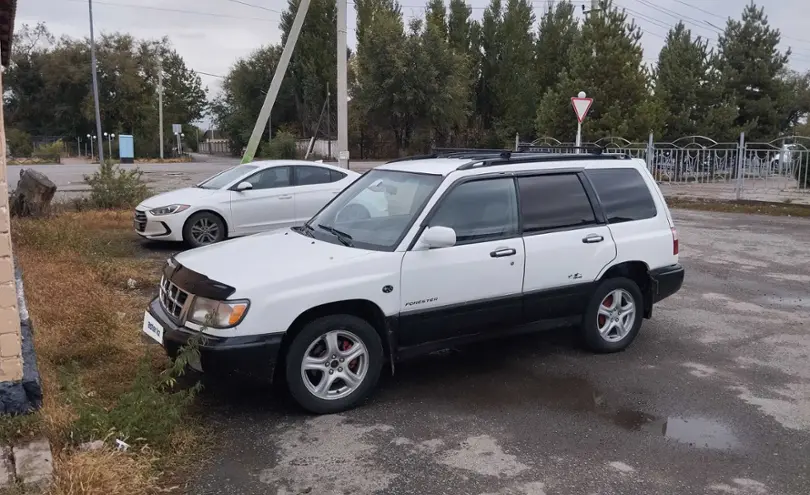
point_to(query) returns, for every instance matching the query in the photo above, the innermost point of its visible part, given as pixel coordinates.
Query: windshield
(375, 211)
(224, 178)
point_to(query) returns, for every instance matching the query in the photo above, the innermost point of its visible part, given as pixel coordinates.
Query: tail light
(674, 241)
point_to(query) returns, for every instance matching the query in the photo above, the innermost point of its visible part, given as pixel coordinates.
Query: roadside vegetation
(87, 282)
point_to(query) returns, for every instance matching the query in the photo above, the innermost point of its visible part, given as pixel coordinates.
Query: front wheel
(333, 363)
(203, 228)
(614, 314)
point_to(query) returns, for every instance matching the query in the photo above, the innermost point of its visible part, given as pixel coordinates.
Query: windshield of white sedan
(375, 211)
(224, 178)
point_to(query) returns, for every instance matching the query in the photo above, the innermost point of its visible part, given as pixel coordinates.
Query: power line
(726, 18)
(209, 74)
(177, 11)
(240, 2)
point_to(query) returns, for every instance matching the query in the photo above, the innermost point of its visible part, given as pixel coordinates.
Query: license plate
(152, 328)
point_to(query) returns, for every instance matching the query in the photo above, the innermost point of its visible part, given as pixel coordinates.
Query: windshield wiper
(343, 237)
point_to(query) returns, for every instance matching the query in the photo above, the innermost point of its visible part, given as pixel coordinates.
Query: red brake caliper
(606, 305)
(353, 364)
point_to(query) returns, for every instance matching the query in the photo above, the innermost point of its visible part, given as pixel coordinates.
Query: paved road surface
(69, 178)
(713, 398)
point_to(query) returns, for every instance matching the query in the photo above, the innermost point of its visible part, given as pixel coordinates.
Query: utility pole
(342, 88)
(278, 76)
(95, 82)
(160, 105)
(328, 122)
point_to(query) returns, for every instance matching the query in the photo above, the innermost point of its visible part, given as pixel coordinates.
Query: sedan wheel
(203, 228)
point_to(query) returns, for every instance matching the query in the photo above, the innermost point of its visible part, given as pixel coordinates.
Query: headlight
(168, 210)
(218, 314)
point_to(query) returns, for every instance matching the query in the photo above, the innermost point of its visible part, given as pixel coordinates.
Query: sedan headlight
(217, 314)
(168, 210)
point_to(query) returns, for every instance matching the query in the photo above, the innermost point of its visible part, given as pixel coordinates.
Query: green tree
(314, 62)
(487, 104)
(516, 87)
(244, 88)
(436, 17)
(557, 33)
(751, 70)
(606, 63)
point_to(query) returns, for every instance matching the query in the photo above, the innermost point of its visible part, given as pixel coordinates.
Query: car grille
(173, 299)
(140, 220)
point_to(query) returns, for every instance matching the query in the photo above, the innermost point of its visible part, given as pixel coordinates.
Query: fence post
(517, 141)
(740, 165)
(650, 154)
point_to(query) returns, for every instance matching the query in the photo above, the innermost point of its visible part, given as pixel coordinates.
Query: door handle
(501, 252)
(289, 196)
(592, 238)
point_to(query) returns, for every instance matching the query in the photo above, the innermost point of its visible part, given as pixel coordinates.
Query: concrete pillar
(10, 339)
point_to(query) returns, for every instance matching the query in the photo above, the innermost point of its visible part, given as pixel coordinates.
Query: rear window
(623, 193)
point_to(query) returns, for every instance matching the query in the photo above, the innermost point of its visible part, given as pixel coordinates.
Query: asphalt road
(161, 177)
(712, 398)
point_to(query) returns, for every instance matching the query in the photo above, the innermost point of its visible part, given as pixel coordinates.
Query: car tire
(203, 228)
(605, 327)
(312, 343)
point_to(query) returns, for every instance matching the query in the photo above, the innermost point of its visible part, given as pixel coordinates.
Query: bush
(282, 147)
(113, 187)
(50, 152)
(19, 143)
(802, 173)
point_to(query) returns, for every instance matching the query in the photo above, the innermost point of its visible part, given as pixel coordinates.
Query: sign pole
(581, 106)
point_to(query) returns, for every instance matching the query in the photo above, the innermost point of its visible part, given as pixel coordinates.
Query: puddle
(500, 384)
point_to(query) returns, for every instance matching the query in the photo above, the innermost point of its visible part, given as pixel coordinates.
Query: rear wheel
(614, 315)
(333, 363)
(203, 228)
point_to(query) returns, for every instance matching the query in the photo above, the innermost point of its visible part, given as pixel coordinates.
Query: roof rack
(527, 157)
(526, 153)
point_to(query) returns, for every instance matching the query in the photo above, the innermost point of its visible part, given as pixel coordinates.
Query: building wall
(11, 368)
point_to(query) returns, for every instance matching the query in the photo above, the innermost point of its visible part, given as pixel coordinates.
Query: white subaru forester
(470, 245)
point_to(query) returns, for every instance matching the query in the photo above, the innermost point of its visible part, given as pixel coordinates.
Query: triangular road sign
(581, 107)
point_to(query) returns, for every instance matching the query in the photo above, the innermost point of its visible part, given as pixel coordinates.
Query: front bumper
(250, 354)
(666, 281)
(165, 227)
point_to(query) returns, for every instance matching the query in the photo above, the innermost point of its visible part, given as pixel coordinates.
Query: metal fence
(698, 166)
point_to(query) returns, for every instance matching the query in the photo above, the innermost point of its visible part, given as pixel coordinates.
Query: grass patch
(101, 381)
(784, 209)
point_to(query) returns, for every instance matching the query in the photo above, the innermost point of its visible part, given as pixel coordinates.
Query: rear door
(314, 187)
(269, 205)
(567, 244)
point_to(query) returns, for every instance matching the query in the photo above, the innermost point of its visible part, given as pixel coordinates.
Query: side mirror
(438, 237)
(244, 186)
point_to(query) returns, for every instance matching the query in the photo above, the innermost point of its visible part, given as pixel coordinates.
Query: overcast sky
(212, 34)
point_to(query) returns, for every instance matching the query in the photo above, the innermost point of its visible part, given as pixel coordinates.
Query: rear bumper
(666, 281)
(250, 354)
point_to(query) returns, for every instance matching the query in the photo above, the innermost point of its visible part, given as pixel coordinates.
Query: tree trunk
(33, 195)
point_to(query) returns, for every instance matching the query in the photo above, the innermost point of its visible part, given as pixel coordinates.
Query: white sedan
(243, 200)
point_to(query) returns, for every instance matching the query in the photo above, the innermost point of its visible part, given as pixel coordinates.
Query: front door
(269, 205)
(474, 286)
(566, 245)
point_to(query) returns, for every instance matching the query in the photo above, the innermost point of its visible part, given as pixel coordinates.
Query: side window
(335, 176)
(549, 202)
(479, 211)
(308, 176)
(623, 193)
(271, 178)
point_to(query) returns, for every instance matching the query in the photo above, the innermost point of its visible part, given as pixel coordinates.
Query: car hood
(185, 196)
(266, 259)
